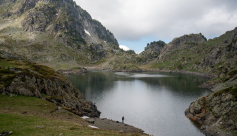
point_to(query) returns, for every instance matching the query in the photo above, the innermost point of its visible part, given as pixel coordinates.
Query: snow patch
(87, 32)
(93, 126)
(85, 117)
(124, 47)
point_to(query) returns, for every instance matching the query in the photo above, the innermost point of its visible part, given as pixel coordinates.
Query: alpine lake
(152, 101)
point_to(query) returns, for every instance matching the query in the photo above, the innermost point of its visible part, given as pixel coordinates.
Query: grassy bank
(33, 116)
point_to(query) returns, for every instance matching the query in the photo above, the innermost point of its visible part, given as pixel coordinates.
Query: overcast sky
(138, 22)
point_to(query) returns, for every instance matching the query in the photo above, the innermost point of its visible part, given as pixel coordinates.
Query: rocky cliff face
(152, 51)
(57, 33)
(183, 42)
(59, 17)
(216, 112)
(221, 59)
(30, 79)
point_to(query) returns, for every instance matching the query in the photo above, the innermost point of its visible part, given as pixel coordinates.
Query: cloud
(132, 20)
(124, 47)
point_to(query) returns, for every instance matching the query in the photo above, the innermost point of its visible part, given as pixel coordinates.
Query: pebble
(203, 127)
(40, 126)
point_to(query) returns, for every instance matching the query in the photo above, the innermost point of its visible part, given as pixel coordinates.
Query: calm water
(154, 102)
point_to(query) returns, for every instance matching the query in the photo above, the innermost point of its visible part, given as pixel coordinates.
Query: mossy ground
(43, 113)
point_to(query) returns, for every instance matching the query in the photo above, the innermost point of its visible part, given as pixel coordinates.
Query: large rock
(152, 51)
(40, 81)
(215, 111)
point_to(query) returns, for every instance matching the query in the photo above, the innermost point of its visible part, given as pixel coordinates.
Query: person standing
(123, 119)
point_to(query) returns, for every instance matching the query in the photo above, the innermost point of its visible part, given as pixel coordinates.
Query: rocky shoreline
(73, 71)
(199, 74)
(108, 124)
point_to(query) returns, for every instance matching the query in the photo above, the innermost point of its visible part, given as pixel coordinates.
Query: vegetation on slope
(33, 116)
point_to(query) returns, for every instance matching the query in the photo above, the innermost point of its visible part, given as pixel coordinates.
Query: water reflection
(154, 102)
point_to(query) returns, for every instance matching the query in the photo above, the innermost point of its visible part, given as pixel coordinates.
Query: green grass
(232, 90)
(42, 113)
(23, 125)
(20, 103)
(218, 40)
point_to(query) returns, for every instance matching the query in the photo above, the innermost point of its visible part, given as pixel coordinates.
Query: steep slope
(151, 52)
(217, 111)
(183, 42)
(57, 33)
(193, 53)
(19, 76)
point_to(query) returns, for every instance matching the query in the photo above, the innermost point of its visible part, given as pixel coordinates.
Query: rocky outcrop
(57, 91)
(73, 71)
(216, 112)
(223, 54)
(155, 46)
(30, 79)
(183, 42)
(97, 51)
(152, 51)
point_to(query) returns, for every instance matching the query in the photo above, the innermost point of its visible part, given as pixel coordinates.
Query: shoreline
(109, 124)
(199, 74)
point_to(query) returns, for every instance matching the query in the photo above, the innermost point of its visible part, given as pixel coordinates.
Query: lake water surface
(154, 102)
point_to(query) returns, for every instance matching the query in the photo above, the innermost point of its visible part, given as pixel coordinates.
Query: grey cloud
(131, 20)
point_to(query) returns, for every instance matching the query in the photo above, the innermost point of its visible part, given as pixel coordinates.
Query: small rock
(121, 131)
(24, 112)
(59, 108)
(92, 121)
(203, 127)
(61, 134)
(40, 126)
(221, 123)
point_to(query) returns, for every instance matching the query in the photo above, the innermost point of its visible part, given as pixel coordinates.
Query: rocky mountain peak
(183, 42)
(155, 46)
(63, 19)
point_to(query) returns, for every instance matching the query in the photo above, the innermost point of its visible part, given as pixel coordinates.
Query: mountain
(57, 33)
(196, 54)
(151, 52)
